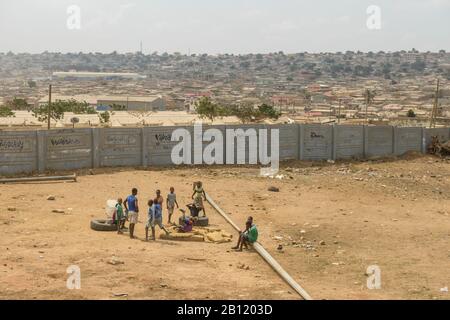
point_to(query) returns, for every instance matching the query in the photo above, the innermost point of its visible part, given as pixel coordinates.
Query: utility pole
(435, 107)
(339, 112)
(49, 106)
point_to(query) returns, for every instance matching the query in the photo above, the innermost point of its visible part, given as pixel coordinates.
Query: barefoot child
(149, 218)
(119, 216)
(171, 202)
(132, 209)
(198, 196)
(249, 236)
(155, 213)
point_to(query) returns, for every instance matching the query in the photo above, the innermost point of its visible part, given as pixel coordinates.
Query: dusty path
(391, 214)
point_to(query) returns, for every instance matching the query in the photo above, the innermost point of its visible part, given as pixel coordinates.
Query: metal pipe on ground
(264, 254)
(40, 179)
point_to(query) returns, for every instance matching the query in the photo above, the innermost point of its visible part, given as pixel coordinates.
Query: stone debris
(51, 198)
(115, 261)
(198, 234)
(243, 266)
(273, 189)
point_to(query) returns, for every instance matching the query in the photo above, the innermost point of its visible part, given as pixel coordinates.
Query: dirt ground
(333, 220)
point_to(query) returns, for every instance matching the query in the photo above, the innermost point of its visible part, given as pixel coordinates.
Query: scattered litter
(445, 289)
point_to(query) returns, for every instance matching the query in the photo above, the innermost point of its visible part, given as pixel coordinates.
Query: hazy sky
(226, 26)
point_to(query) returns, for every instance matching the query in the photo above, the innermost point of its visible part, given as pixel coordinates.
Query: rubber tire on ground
(102, 225)
(198, 221)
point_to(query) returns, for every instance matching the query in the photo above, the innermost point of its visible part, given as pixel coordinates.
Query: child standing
(119, 216)
(132, 209)
(171, 202)
(155, 218)
(149, 218)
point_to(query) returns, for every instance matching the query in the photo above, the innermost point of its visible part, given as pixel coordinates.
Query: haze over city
(200, 26)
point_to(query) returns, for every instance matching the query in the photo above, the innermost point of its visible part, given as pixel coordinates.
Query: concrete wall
(407, 139)
(378, 141)
(159, 144)
(18, 152)
(316, 142)
(67, 149)
(120, 147)
(289, 141)
(30, 151)
(348, 142)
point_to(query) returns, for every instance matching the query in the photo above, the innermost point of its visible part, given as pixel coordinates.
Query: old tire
(201, 221)
(103, 225)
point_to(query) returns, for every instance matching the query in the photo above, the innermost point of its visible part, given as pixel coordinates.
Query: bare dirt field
(332, 220)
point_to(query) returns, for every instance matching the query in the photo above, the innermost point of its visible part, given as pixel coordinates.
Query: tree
(205, 108)
(245, 113)
(411, 114)
(18, 104)
(59, 107)
(56, 111)
(269, 111)
(6, 112)
(104, 117)
(32, 83)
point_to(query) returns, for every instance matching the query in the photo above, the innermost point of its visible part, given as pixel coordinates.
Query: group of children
(154, 215)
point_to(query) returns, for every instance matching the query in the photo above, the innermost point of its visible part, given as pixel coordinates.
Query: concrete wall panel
(120, 147)
(348, 142)
(379, 141)
(316, 142)
(18, 152)
(243, 132)
(407, 139)
(289, 140)
(159, 144)
(68, 149)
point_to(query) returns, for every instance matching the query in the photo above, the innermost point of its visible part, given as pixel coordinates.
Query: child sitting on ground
(187, 225)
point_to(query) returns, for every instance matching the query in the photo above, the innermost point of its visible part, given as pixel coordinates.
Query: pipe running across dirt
(264, 254)
(40, 179)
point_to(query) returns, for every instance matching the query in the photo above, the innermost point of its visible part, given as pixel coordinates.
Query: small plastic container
(110, 207)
